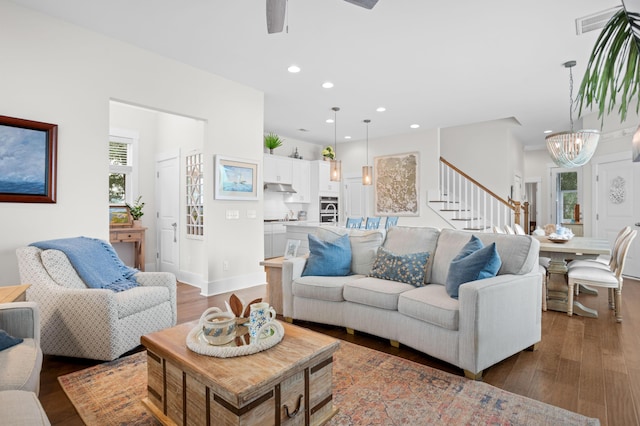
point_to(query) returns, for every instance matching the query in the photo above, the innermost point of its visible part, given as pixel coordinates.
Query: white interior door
(618, 205)
(168, 217)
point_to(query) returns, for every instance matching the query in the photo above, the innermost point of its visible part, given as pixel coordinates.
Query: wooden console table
(14, 293)
(131, 235)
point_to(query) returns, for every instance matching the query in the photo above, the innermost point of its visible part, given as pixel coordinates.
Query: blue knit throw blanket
(95, 261)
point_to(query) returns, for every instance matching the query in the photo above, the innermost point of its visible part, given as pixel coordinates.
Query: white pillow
(60, 269)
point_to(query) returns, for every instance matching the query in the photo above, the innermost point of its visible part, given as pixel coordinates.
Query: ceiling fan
(276, 11)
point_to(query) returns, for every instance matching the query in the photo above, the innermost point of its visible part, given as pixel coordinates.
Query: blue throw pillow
(407, 268)
(6, 340)
(328, 259)
(472, 265)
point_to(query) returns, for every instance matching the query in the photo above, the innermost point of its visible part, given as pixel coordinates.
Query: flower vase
(137, 223)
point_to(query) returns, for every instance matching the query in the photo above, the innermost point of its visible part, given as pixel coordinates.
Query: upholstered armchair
(94, 323)
(20, 365)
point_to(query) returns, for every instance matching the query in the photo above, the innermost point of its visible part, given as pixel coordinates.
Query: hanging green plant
(272, 141)
(613, 68)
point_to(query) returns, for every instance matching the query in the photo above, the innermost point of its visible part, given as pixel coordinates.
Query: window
(122, 178)
(566, 196)
(195, 197)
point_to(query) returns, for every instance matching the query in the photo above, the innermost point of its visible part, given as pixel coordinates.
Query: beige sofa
(493, 318)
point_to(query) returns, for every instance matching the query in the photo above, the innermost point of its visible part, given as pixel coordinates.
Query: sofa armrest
(161, 279)
(291, 269)
(21, 319)
(499, 317)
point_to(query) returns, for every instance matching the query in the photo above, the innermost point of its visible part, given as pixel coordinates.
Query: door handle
(175, 229)
(637, 223)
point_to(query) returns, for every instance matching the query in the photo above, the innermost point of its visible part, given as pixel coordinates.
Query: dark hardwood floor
(590, 366)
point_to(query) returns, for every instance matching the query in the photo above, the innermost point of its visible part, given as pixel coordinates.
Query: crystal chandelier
(367, 171)
(336, 165)
(572, 148)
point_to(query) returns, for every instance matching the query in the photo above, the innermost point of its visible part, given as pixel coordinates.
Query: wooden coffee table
(288, 384)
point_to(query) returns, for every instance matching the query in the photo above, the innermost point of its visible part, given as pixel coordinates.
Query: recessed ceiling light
(347, 137)
(381, 109)
(414, 126)
(293, 69)
(329, 120)
(546, 132)
(327, 85)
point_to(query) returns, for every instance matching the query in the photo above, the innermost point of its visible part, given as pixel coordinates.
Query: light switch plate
(233, 214)
(251, 214)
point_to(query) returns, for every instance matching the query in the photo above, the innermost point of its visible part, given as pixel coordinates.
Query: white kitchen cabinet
(320, 178)
(301, 182)
(275, 239)
(277, 169)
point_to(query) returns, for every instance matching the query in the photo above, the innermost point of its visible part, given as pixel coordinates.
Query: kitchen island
(300, 229)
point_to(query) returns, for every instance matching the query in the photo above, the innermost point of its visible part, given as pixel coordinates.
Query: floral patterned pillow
(406, 268)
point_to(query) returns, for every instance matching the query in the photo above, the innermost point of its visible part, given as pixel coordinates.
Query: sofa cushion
(410, 239)
(375, 292)
(519, 253)
(6, 340)
(60, 269)
(21, 366)
(140, 299)
(406, 268)
(364, 245)
(328, 258)
(322, 288)
(474, 262)
(431, 304)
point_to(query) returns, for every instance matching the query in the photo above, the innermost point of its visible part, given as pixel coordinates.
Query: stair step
(454, 210)
(444, 201)
(466, 219)
(476, 228)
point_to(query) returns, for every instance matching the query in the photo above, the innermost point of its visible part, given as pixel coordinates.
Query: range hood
(279, 187)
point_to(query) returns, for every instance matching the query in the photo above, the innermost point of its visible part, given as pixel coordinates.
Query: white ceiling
(435, 63)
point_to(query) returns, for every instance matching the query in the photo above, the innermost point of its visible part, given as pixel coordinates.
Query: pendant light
(367, 171)
(572, 148)
(336, 165)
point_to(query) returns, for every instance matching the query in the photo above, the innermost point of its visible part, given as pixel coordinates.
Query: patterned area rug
(370, 388)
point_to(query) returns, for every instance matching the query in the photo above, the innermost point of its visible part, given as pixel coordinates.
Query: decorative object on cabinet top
(272, 141)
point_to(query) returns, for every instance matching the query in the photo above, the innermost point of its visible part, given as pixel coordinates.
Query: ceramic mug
(218, 327)
(260, 314)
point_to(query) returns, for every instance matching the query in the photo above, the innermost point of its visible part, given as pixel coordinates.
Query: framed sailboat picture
(235, 179)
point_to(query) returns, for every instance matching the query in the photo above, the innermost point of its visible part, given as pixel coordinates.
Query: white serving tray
(240, 346)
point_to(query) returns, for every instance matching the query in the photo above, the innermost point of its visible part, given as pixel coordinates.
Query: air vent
(595, 21)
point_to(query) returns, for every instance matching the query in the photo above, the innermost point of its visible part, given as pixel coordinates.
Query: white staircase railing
(466, 204)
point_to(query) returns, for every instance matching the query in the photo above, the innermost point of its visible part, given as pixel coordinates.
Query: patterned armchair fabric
(80, 322)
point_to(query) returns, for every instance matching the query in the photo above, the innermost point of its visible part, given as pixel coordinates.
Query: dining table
(560, 252)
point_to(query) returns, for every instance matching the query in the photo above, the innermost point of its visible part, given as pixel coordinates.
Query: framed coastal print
(120, 216)
(235, 179)
(291, 250)
(28, 167)
(396, 185)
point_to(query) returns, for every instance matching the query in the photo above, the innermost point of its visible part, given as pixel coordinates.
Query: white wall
(425, 142)
(56, 72)
(487, 152)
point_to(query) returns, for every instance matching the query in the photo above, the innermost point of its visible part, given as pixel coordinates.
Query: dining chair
(372, 223)
(600, 277)
(391, 221)
(518, 229)
(497, 230)
(354, 222)
(606, 262)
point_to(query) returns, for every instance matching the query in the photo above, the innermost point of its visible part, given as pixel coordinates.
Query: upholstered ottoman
(21, 408)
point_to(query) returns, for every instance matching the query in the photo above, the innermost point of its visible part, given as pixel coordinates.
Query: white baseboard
(230, 284)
